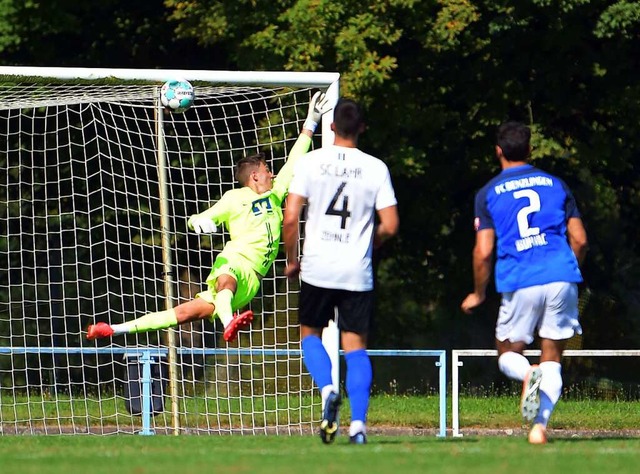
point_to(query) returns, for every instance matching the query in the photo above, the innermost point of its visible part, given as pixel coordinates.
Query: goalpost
(97, 185)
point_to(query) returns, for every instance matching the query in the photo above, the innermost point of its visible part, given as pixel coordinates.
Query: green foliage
(351, 37)
(452, 25)
(108, 33)
(436, 79)
(621, 19)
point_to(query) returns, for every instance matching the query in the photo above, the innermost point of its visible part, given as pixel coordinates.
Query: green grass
(283, 455)
(385, 410)
(603, 445)
(502, 412)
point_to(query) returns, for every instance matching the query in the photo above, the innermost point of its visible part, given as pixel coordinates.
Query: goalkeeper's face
(262, 178)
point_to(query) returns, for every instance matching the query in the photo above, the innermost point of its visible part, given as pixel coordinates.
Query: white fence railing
(456, 363)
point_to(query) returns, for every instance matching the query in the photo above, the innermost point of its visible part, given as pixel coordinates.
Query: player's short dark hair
(514, 140)
(348, 118)
(246, 165)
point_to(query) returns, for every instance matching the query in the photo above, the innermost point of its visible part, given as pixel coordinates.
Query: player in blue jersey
(532, 219)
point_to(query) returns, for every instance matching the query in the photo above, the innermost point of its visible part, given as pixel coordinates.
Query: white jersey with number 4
(343, 187)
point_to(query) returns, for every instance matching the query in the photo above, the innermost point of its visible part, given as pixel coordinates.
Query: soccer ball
(177, 95)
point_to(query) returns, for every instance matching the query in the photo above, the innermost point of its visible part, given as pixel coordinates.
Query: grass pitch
(586, 436)
(283, 455)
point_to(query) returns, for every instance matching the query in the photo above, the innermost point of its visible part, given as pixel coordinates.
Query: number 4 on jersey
(344, 212)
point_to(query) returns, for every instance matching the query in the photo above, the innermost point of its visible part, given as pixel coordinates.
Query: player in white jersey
(540, 240)
(343, 189)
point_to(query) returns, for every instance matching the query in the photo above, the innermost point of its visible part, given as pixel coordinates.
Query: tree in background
(108, 33)
(437, 77)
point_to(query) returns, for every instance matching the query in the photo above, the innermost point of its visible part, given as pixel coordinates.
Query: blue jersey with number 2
(528, 209)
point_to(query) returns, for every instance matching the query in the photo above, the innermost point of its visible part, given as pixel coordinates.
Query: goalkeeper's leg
(232, 285)
(224, 300)
(193, 310)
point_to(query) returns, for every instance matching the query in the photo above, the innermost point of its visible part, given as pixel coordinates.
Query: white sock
(119, 329)
(357, 426)
(325, 392)
(514, 365)
(222, 302)
(550, 390)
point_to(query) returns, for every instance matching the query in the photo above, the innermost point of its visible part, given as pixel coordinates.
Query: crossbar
(300, 79)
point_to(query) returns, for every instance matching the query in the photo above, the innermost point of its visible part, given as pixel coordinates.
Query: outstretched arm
(205, 221)
(318, 106)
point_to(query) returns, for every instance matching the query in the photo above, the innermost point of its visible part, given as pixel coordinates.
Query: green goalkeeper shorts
(248, 282)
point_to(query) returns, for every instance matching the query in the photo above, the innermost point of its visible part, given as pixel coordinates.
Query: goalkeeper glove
(318, 106)
(201, 225)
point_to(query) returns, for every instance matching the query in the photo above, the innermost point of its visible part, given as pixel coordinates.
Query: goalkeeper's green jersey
(254, 221)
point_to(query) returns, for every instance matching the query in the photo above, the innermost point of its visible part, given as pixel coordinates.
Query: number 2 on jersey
(344, 212)
(523, 214)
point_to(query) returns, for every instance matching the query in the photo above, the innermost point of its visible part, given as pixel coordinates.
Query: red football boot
(99, 330)
(239, 321)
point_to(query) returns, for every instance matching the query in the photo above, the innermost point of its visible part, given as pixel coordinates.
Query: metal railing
(149, 355)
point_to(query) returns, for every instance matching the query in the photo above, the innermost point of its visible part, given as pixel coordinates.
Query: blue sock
(358, 383)
(317, 361)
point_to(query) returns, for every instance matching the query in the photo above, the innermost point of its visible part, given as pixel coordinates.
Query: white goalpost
(97, 182)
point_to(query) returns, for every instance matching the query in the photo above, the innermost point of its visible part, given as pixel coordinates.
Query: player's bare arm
(388, 226)
(290, 233)
(577, 238)
(482, 260)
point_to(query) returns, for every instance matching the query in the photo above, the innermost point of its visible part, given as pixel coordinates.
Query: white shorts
(551, 309)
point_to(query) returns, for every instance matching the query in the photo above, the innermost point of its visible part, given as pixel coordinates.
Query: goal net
(96, 186)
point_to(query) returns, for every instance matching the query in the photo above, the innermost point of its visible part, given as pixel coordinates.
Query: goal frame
(328, 81)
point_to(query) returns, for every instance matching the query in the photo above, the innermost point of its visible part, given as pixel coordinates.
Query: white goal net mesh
(81, 241)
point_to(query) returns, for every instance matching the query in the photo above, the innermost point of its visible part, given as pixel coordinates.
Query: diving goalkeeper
(253, 216)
